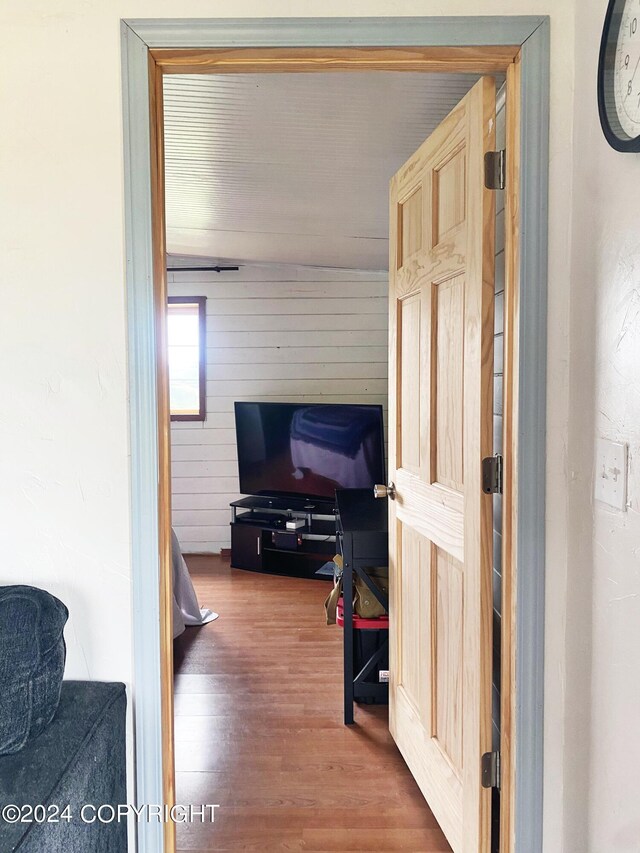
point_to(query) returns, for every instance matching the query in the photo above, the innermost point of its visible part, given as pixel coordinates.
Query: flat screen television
(288, 449)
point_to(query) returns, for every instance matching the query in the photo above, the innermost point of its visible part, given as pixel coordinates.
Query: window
(186, 331)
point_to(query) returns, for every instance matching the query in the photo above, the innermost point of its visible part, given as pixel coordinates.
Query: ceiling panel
(293, 167)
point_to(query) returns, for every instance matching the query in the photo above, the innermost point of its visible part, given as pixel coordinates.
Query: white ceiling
(293, 168)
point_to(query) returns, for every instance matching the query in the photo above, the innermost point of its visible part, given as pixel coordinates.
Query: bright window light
(186, 353)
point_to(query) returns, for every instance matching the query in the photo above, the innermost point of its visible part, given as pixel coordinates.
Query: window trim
(201, 302)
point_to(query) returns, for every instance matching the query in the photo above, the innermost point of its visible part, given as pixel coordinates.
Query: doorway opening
(277, 218)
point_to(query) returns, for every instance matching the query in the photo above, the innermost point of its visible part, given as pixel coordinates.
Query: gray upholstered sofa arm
(80, 759)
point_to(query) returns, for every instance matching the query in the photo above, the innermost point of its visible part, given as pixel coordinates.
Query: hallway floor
(259, 729)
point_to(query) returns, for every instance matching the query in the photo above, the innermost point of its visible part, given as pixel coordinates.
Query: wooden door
(441, 364)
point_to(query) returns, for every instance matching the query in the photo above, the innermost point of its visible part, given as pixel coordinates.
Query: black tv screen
(308, 450)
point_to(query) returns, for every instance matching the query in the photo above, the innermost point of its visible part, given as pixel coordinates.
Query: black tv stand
(256, 520)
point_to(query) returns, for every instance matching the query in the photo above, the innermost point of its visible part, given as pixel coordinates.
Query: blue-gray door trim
(532, 33)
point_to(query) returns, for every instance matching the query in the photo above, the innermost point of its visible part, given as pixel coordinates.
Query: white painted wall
(274, 333)
(603, 614)
(63, 409)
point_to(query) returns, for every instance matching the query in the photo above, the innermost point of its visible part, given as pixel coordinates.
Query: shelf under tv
(297, 504)
(258, 520)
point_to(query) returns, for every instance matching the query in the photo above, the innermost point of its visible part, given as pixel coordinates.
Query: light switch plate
(611, 473)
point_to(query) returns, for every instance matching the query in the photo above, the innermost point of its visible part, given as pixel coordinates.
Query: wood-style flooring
(259, 729)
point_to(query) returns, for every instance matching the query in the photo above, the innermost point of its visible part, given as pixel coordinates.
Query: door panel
(411, 444)
(416, 595)
(448, 202)
(447, 385)
(447, 656)
(440, 427)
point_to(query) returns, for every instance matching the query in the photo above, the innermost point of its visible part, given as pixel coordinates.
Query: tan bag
(365, 604)
(331, 602)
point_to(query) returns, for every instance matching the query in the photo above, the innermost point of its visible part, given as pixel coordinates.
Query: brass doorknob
(380, 491)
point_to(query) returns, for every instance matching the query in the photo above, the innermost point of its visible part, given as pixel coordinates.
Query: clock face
(619, 75)
(626, 77)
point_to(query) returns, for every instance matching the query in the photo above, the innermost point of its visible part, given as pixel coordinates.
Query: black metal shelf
(319, 527)
(253, 529)
(363, 539)
(317, 506)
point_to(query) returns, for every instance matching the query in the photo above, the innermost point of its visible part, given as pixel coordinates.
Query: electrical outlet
(611, 473)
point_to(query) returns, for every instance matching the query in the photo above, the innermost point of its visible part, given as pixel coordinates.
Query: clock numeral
(633, 26)
(626, 61)
(629, 88)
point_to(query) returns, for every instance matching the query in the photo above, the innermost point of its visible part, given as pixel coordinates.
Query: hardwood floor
(259, 729)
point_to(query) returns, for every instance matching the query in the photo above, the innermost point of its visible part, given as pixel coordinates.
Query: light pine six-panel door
(440, 428)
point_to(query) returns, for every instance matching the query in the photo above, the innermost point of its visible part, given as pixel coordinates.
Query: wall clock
(619, 75)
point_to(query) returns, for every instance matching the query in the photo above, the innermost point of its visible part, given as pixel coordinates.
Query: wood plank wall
(276, 333)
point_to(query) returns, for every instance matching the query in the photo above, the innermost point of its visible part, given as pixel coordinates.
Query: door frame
(517, 45)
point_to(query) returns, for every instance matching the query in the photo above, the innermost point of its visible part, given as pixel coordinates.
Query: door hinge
(491, 770)
(492, 475)
(495, 169)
